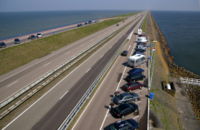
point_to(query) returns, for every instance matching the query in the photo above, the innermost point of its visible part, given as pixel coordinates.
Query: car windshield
(121, 125)
(121, 96)
(134, 84)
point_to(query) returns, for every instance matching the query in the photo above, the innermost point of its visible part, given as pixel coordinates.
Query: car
(131, 78)
(132, 86)
(39, 35)
(124, 53)
(79, 25)
(128, 124)
(90, 21)
(124, 109)
(86, 22)
(138, 52)
(2, 44)
(32, 37)
(125, 97)
(17, 41)
(135, 71)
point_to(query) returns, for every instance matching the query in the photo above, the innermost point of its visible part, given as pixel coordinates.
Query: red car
(132, 86)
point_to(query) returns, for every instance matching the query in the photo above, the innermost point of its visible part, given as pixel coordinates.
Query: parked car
(125, 97)
(79, 25)
(124, 109)
(31, 37)
(124, 53)
(138, 52)
(132, 86)
(2, 44)
(136, 71)
(132, 78)
(128, 124)
(39, 35)
(17, 41)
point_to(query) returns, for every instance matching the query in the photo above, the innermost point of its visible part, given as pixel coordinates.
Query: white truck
(136, 60)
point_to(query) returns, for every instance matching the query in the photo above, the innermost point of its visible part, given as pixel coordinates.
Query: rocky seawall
(193, 92)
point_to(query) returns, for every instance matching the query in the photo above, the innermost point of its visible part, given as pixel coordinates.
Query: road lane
(34, 70)
(44, 104)
(96, 116)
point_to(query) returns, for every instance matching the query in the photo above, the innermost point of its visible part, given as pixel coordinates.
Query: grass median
(13, 57)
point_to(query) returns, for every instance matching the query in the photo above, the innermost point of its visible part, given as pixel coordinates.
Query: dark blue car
(2, 44)
(135, 71)
(129, 124)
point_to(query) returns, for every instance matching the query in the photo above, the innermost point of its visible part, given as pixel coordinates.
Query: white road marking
(129, 47)
(115, 90)
(49, 90)
(87, 70)
(9, 85)
(46, 64)
(93, 96)
(64, 94)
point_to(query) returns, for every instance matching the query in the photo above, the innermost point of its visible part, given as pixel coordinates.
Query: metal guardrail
(51, 75)
(87, 94)
(192, 81)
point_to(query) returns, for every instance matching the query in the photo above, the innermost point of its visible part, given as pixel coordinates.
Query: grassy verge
(144, 25)
(16, 56)
(163, 105)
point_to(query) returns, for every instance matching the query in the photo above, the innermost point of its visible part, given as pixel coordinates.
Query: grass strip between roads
(13, 57)
(31, 100)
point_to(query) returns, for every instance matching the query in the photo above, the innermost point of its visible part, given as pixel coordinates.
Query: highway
(50, 110)
(19, 78)
(96, 116)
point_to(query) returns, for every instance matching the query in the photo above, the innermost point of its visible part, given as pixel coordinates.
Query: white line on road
(9, 85)
(93, 96)
(64, 94)
(50, 89)
(129, 47)
(115, 90)
(88, 70)
(46, 64)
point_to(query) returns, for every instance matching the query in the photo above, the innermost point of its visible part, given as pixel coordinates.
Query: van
(136, 60)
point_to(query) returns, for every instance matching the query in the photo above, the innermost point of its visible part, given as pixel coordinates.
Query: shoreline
(170, 58)
(49, 32)
(188, 93)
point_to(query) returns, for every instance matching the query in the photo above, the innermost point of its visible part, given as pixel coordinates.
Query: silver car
(125, 97)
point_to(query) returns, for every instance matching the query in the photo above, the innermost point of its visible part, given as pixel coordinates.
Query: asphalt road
(19, 78)
(49, 111)
(96, 116)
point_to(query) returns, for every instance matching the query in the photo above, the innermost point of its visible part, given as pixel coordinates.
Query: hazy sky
(40, 5)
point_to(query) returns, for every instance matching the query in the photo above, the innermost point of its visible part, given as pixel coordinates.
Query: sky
(46, 5)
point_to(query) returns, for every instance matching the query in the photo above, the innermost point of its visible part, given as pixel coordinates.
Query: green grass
(129, 14)
(144, 25)
(13, 57)
(163, 104)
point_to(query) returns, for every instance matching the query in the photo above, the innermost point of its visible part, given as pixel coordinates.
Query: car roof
(121, 124)
(133, 123)
(2, 43)
(136, 69)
